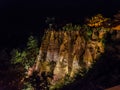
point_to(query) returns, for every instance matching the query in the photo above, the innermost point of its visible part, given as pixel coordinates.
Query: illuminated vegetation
(26, 57)
(97, 21)
(70, 27)
(90, 37)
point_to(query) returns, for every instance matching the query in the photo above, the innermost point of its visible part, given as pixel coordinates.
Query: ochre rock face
(69, 51)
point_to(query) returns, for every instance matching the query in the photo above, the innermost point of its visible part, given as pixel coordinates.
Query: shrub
(27, 56)
(97, 21)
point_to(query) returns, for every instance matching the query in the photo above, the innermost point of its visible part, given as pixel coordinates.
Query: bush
(27, 56)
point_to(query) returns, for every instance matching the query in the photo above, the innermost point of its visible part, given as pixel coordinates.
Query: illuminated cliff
(66, 53)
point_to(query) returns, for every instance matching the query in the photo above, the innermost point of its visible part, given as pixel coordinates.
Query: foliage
(87, 31)
(27, 56)
(27, 86)
(65, 81)
(42, 79)
(68, 80)
(70, 27)
(32, 43)
(17, 56)
(97, 21)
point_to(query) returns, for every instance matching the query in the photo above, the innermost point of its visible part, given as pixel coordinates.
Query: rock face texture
(67, 52)
(105, 73)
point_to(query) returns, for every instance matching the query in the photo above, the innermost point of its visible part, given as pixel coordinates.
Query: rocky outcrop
(65, 53)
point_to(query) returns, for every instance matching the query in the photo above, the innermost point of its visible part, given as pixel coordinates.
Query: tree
(26, 57)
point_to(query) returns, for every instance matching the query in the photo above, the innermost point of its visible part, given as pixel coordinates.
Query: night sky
(20, 18)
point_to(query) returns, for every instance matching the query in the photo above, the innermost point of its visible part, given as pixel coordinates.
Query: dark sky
(18, 18)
